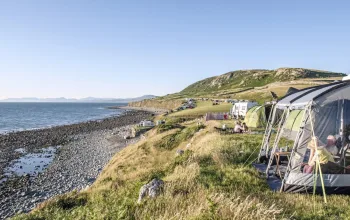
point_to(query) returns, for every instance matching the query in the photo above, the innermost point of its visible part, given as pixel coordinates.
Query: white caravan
(240, 109)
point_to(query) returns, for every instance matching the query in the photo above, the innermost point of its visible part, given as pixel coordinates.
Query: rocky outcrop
(151, 189)
(293, 73)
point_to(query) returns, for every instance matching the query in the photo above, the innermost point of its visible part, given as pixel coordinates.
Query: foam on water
(21, 150)
(31, 163)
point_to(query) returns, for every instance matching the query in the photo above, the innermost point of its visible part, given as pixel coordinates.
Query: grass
(202, 108)
(211, 180)
(173, 140)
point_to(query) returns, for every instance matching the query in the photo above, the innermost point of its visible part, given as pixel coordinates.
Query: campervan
(146, 124)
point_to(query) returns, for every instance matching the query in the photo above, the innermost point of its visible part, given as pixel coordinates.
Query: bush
(68, 201)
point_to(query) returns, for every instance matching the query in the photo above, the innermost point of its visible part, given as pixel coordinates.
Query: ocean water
(25, 116)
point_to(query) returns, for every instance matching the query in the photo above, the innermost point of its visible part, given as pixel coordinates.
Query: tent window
(294, 120)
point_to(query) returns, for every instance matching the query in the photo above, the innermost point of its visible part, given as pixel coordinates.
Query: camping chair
(342, 161)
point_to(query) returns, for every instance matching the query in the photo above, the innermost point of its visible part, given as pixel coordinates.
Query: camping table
(278, 157)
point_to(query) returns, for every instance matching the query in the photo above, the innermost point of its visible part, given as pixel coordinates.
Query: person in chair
(331, 145)
(317, 152)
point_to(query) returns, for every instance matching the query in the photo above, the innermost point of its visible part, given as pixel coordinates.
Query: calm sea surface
(24, 116)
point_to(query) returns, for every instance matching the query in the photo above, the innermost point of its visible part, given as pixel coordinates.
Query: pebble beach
(66, 158)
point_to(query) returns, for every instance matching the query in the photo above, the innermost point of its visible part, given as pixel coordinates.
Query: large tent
(275, 117)
(307, 117)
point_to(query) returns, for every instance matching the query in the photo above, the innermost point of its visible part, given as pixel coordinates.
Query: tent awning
(287, 100)
(309, 97)
(303, 97)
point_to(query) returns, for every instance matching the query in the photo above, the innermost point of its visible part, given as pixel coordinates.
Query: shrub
(68, 201)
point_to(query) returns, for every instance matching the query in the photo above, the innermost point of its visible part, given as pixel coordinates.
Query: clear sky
(80, 48)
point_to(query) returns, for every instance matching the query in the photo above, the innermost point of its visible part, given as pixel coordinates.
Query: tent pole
(267, 135)
(296, 142)
(314, 189)
(318, 159)
(272, 116)
(277, 139)
(341, 132)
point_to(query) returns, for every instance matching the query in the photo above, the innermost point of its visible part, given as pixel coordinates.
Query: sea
(27, 116)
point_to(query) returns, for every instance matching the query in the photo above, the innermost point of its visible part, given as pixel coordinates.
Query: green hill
(243, 79)
(255, 84)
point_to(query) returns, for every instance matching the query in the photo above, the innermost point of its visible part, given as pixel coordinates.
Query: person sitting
(325, 158)
(245, 128)
(223, 127)
(238, 127)
(317, 152)
(331, 145)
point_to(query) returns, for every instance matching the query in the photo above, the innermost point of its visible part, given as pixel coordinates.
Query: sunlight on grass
(210, 180)
(203, 108)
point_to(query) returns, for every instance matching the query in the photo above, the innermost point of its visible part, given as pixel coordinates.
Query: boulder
(179, 152)
(151, 189)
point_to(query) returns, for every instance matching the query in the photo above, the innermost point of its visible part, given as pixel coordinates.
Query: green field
(202, 108)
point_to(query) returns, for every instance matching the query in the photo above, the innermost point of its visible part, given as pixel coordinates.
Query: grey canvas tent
(321, 111)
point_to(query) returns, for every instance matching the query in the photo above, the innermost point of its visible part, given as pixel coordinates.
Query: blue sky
(116, 48)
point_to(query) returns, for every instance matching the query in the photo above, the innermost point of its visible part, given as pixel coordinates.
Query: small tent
(255, 117)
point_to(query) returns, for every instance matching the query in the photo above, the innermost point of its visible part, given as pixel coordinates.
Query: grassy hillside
(257, 85)
(157, 103)
(238, 80)
(202, 108)
(213, 179)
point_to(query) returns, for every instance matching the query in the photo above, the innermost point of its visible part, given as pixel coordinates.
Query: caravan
(240, 109)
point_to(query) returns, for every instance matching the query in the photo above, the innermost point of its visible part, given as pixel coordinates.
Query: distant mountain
(88, 99)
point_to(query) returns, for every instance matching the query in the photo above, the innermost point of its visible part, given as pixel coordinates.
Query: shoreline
(85, 149)
(156, 111)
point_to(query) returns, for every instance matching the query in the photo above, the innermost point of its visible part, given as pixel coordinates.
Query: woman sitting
(238, 127)
(325, 158)
(317, 152)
